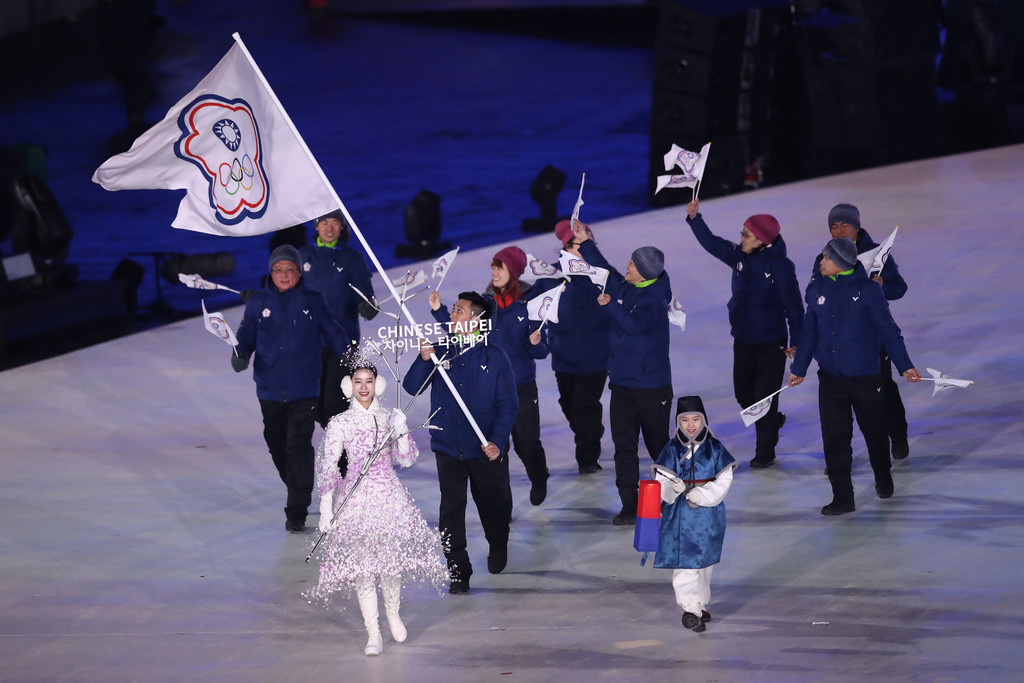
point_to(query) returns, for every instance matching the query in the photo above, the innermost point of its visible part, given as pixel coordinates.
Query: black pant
(580, 399)
(837, 396)
(631, 412)
(757, 370)
(332, 401)
(288, 431)
(895, 413)
(492, 493)
(526, 434)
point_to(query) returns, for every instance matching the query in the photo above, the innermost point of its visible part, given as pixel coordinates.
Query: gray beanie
(844, 213)
(843, 253)
(649, 262)
(285, 252)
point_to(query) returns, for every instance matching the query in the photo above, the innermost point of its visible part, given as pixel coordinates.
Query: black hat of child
(691, 404)
(843, 253)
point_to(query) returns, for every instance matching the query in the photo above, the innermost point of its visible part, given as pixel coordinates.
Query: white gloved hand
(401, 426)
(326, 512)
(694, 497)
(400, 423)
(678, 486)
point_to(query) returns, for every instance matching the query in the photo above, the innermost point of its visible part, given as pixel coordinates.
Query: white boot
(366, 592)
(391, 589)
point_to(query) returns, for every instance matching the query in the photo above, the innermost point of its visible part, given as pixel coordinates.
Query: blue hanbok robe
(691, 538)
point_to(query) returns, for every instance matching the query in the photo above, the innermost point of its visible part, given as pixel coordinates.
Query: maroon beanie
(764, 226)
(563, 231)
(514, 259)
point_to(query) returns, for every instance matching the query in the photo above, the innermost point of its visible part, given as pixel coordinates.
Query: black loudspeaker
(712, 78)
(869, 68)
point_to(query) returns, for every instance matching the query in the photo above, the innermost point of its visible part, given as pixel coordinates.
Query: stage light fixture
(544, 191)
(422, 227)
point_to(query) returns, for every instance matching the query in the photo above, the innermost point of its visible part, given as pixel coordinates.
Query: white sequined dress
(380, 531)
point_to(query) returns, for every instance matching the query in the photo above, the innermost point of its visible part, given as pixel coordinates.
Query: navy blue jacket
(579, 340)
(486, 383)
(510, 331)
(285, 330)
(765, 293)
(638, 339)
(893, 284)
(329, 270)
(846, 320)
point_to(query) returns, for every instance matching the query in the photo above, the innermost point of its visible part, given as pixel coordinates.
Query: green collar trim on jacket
(330, 245)
(845, 272)
(646, 283)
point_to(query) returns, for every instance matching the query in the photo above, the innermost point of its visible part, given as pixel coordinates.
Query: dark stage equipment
(544, 191)
(422, 228)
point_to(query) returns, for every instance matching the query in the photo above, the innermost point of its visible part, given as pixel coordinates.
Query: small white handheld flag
(574, 265)
(875, 259)
(579, 201)
(944, 381)
(676, 314)
(196, 282)
(752, 414)
(442, 265)
(541, 268)
(692, 166)
(218, 326)
(544, 307)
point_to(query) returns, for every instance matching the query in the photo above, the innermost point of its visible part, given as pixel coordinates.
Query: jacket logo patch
(739, 266)
(339, 268)
(821, 301)
(520, 318)
(305, 311)
(855, 298)
(306, 266)
(767, 274)
(266, 312)
(484, 368)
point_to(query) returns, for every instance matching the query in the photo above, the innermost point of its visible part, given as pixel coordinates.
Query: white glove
(678, 486)
(326, 512)
(400, 423)
(401, 427)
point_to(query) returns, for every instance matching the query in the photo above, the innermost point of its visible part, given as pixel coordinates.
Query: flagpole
(355, 229)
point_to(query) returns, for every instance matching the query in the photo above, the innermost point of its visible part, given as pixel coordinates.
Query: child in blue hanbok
(695, 472)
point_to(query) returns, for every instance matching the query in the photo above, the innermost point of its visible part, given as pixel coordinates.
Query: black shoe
(705, 615)
(538, 492)
(834, 508)
(624, 519)
(884, 491)
(295, 527)
(458, 586)
(756, 464)
(497, 560)
(900, 448)
(693, 622)
(590, 469)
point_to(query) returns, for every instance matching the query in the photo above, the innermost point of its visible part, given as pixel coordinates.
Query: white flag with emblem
(676, 314)
(753, 413)
(442, 264)
(944, 381)
(229, 145)
(575, 265)
(692, 166)
(875, 259)
(218, 326)
(579, 201)
(541, 268)
(544, 307)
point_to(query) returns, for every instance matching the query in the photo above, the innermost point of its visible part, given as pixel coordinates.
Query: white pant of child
(692, 588)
